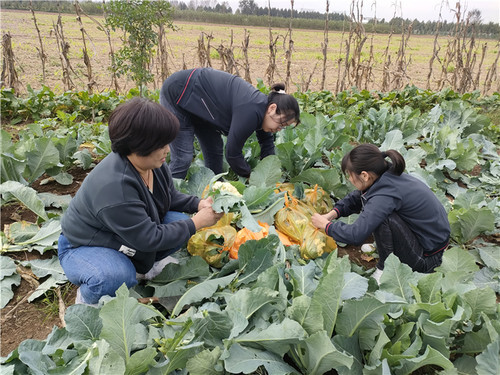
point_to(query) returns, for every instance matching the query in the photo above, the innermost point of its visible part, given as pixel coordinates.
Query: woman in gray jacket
(127, 217)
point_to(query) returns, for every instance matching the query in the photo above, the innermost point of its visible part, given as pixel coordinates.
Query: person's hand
(320, 221)
(204, 203)
(206, 217)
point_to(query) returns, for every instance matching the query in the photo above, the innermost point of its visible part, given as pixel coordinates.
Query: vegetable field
(272, 310)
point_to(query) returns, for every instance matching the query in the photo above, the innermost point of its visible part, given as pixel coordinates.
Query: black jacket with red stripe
(230, 104)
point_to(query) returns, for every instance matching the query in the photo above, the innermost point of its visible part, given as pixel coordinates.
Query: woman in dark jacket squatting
(401, 212)
(127, 217)
(210, 103)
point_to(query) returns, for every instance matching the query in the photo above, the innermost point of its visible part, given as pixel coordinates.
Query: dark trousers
(395, 236)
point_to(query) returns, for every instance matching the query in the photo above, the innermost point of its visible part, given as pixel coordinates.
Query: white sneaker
(156, 269)
(377, 275)
(80, 301)
(368, 248)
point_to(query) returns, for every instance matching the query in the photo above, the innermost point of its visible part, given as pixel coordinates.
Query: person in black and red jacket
(401, 212)
(210, 103)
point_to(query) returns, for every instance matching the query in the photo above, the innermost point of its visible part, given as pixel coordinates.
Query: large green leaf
(30, 353)
(259, 197)
(430, 357)
(201, 291)
(321, 355)
(267, 173)
(328, 179)
(204, 363)
(121, 317)
(6, 292)
(194, 267)
(26, 195)
(46, 267)
(488, 362)
(325, 303)
(199, 180)
(7, 267)
(468, 224)
(44, 156)
(248, 301)
(429, 287)
(365, 313)
(47, 236)
(276, 338)
(302, 279)
(141, 361)
(481, 301)
(490, 256)
(213, 328)
(397, 278)
(247, 360)
(255, 257)
(393, 141)
(105, 360)
(457, 260)
(83, 322)
(267, 215)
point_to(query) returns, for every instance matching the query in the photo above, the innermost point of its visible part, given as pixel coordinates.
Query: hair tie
(384, 155)
(281, 91)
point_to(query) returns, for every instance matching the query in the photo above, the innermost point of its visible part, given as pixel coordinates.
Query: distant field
(183, 45)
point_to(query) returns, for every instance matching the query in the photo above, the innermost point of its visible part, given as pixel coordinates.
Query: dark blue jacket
(230, 104)
(409, 197)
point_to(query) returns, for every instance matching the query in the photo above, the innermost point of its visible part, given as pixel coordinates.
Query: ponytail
(398, 162)
(367, 157)
(286, 104)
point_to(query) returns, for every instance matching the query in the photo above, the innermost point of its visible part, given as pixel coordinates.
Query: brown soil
(20, 319)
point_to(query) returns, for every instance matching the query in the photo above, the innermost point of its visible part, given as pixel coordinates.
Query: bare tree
(324, 46)
(289, 50)
(9, 75)
(436, 47)
(41, 52)
(63, 48)
(246, 65)
(273, 42)
(86, 60)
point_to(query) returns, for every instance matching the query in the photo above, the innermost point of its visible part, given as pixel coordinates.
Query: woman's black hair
(286, 104)
(367, 157)
(141, 126)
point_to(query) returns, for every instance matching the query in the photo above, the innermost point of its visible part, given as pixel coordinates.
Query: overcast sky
(423, 10)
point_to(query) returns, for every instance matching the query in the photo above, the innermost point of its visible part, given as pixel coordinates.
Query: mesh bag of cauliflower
(318, 199)
(315, 243)
(213, 243)
(292, 219)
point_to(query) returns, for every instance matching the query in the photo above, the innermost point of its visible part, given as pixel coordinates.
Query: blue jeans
(182, 148)
(101, 271)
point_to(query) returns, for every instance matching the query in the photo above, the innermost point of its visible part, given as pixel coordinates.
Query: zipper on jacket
(210, 113)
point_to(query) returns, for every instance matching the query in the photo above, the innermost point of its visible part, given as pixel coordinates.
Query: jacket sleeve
(266, 141)
(243, 125)
(375, 211)
(350, 204)
(135, 229)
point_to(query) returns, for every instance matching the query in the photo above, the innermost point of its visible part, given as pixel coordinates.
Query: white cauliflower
(226, 187)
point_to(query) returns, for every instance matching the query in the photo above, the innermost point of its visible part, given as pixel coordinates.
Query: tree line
(250, 14)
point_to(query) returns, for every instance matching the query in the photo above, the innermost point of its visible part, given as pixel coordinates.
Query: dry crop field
(378, 51)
